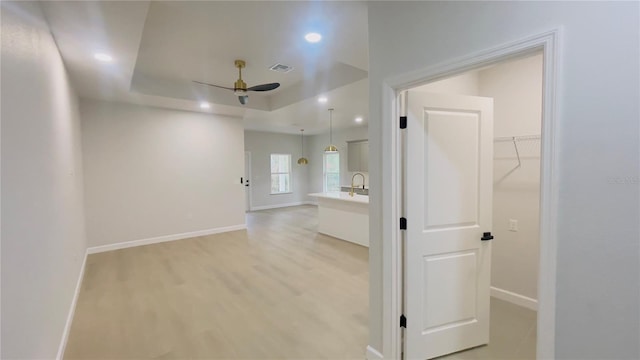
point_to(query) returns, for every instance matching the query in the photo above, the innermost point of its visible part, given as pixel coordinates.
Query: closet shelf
(515, 140)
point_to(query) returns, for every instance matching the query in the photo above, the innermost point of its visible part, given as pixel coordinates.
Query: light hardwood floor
(278, 290)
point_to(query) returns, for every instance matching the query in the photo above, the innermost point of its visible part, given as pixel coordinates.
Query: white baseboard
(165, 238)
(267, 207)
(373, 354)
(514, 298)
(72, 310)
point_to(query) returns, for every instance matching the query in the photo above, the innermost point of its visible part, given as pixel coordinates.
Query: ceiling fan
(240, 87)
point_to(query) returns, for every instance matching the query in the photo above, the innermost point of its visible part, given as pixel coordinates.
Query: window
(280, 173)
(331, 172)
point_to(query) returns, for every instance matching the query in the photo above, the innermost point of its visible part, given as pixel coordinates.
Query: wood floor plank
(278, 290)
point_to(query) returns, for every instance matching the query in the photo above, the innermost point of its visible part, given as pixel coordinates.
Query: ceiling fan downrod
(240, 85)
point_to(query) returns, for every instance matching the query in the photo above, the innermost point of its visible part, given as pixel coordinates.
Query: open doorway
(393, 285)
(515, 86)
(247, 181)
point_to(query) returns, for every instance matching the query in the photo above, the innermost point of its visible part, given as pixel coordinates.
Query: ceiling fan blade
(218, 86)
(264, 87)
(243, 99)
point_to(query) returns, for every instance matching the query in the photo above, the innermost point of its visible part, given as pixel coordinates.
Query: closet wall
(516, 89)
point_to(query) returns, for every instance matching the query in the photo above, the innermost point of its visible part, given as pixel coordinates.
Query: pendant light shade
(303, 160)
(331, 148)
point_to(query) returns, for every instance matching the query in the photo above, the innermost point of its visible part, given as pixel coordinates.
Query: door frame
(247, 177)
(393, 107)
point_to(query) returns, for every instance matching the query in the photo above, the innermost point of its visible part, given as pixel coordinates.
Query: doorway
(481, 170)
(247, 181)
(393, 258)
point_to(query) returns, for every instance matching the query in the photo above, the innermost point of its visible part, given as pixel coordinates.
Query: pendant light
(331, 148)
(303, 160)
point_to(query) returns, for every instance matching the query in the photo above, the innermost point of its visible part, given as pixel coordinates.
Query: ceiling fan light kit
(240, 87)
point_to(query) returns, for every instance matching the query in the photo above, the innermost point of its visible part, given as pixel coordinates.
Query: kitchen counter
(344, 217)
(344, 196)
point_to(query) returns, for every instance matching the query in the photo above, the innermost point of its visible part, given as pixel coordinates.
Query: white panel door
(448, 208)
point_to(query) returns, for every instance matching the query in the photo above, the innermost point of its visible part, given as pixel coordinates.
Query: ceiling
(159, 48)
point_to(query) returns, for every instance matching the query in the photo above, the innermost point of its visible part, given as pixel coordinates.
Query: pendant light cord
(330, 126)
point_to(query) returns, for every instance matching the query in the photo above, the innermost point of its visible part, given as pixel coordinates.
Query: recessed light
(313, 37)
(322, 99)
(103, 57)
(205, 105)
(358, 119)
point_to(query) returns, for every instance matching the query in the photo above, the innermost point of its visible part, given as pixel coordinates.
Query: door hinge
(403, 321)
(403, 223)
(403, 122)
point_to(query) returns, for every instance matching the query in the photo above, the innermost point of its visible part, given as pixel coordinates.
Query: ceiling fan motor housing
(240, 85)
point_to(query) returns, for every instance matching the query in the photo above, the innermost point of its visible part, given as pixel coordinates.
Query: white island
(344, 217)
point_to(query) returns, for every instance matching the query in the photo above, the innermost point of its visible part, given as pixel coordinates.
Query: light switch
(513, 225)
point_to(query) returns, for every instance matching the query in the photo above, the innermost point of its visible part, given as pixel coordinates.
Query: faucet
(352, 186)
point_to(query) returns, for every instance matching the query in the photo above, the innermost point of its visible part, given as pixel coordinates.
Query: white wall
(306, 179)
(151, 172)
(516, 89)
(317, 144)
(262, 145)
(598, 270)
(464, 84)
(43, 235)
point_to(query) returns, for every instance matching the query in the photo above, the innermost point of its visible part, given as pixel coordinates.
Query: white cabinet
(358, 156)
(353, 156)
(364, 156)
